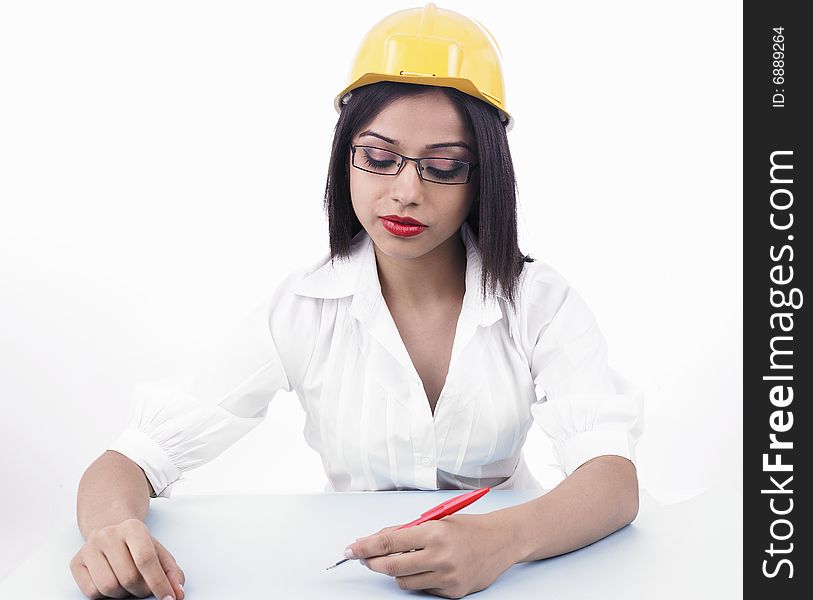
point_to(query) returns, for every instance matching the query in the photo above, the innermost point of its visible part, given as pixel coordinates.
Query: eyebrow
(371, 133)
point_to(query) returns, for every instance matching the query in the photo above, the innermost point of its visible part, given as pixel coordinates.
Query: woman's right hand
(124, 560)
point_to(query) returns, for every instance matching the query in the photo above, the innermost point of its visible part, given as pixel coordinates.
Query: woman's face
(412, 123)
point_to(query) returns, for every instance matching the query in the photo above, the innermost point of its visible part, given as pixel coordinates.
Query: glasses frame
(418, 165)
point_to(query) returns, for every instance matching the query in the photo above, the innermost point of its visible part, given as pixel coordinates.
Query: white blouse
(327, 334)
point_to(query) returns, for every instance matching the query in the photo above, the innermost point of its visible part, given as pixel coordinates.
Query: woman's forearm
(112, 489)
(598, 498)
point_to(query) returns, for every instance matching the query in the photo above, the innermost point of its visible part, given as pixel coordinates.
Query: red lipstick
(402, 226)
(404, 220)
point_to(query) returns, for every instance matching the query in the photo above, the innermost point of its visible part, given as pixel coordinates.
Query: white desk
(278, 546)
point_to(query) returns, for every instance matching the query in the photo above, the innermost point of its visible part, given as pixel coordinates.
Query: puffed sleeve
(586, 408)
(175, 427)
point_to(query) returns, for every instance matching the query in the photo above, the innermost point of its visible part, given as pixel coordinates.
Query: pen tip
(337, 564)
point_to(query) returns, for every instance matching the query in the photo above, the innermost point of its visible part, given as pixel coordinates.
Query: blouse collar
(358, 277)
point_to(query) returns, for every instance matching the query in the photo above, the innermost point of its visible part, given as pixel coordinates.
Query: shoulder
(542, 286)
(286, 288)
(548, 302)
(294, 320)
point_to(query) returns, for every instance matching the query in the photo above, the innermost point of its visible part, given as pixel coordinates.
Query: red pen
(444, 509)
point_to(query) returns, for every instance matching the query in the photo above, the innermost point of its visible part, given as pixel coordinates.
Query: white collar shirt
(327, 334)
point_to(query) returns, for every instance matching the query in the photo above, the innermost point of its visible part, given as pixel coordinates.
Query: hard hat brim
(463, 85)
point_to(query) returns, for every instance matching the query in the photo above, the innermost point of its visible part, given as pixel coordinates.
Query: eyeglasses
(447, 171)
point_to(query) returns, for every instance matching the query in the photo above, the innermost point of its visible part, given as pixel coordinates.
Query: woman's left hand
(449, 557)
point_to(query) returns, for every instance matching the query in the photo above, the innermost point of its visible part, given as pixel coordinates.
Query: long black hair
(493, 216)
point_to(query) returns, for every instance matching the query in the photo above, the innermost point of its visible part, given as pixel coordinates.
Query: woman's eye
(377, 163)
(445, 173)
(378, 158)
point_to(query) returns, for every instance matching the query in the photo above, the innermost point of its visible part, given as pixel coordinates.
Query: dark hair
(493, 221)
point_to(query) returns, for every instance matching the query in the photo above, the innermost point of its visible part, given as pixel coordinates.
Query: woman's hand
(450, 557)
(124, 560)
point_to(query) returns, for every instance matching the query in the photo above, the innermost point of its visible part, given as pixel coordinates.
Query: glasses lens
(384, 162)
(376, 160)
(445, 170)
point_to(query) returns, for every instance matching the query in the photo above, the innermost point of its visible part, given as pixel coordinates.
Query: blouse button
(426, 461)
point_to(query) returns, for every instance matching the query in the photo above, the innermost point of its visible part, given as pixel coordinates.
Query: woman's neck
(436, 278)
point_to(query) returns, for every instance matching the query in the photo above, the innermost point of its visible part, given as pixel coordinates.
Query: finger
(400, 565)
(125, 569)
(389, 542)
(174, 572)
(83, 579)
(424, 581)
(380, 531)
(103, 577)
(146, 560)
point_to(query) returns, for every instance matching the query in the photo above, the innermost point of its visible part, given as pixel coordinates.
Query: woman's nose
(407, 184)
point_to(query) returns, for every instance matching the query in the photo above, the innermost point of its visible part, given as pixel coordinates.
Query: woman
(422, 348)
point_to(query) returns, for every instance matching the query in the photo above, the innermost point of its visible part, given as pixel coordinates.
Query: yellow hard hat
(431, 46)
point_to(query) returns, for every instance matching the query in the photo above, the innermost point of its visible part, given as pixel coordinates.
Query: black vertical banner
(778, 438)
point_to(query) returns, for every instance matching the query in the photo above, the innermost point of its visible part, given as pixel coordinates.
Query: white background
(146, 206)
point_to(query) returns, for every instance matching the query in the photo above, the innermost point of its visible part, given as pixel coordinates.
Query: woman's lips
(403, 220)
(401, 229)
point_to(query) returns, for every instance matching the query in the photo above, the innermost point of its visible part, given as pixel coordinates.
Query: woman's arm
(112, 489)
(598, 498)
(461, 554)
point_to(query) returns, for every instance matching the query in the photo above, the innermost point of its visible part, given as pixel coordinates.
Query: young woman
(422, 347)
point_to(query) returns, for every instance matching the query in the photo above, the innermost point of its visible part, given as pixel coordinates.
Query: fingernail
(180, 587)
(348, 552)
(168, 598)
(363, 561)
